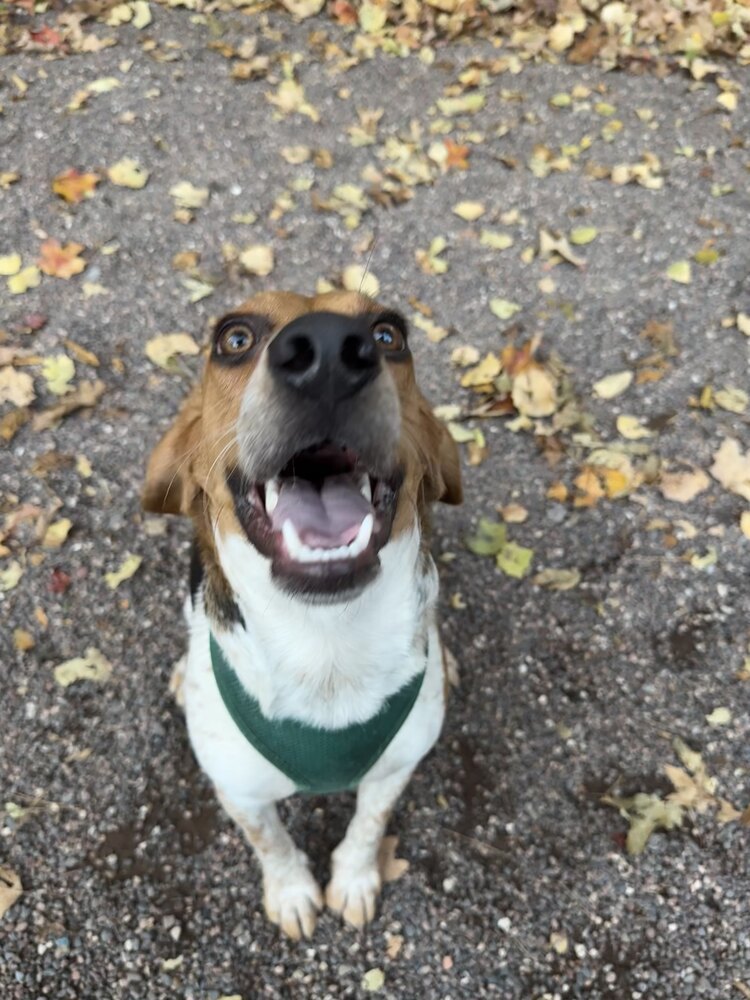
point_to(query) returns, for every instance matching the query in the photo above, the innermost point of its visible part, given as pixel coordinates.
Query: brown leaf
(73, 186)
(87, 394)
(61, 261)
(10, 889)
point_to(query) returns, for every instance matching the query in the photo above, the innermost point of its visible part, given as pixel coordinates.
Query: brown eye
(234, 339)
(389, 337)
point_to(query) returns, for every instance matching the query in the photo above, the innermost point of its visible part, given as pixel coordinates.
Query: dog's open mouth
(322, 519)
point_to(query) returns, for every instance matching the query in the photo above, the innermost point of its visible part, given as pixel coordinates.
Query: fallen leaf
(432, 330)
(23, 641)
(163, 350)
(16, 387)
(466, 104)
(680, 272)
(91, 667)
(514, 560)
(73, 186)
(356, 278)
(631, 428)
(257, 259)
(469, 211)
(582, 235)
(430, 261)
(464, 356)
(503, 308)
(10, 889)
(514, 513)
(731, 399)
(10, 575)
(289, 98)
(745, 523)
(490, 538)
(551, 246)
(373, 979)
(534, 392)
(487, 369)
(683, 486)
(731, 468)
(56, 533)
(719, 717)
(496, 241)
(391, 868)
(28, 277)
(61, 261)
(57, 372)
(557, 579)
(10, 264)
(128, 568)
(186, 195)
(612, 385)
(743, 323)
(85, 395)
(196, 288)
(128, 173)
(558, 941)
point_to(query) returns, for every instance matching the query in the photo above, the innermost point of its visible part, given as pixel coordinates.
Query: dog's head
(309, 437)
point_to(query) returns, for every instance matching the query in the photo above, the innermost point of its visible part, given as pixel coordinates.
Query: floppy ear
(442, 479)
(170, 485)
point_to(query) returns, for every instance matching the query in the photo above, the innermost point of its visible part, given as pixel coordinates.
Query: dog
(307, 459)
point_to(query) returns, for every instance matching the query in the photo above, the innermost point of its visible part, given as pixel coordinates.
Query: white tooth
(292, 541)
(364, 487)
(364, 534)
(272, 495)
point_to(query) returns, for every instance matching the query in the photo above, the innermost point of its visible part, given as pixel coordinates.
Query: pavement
(519, 883)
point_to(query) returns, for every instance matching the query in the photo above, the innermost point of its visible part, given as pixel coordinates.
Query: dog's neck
(329, 665)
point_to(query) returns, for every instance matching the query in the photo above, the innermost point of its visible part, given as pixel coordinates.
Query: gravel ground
(135, 884)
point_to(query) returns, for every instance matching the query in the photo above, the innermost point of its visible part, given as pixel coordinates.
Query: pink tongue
(323, 518)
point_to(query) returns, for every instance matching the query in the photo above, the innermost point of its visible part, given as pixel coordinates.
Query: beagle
(307, 459)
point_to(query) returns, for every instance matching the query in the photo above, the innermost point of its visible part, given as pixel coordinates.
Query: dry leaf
(731, 468)
(612, 385)
(23, 641)
(10, 574)
(186, 195)
(356, 278)
(432, 330)
(61, 261)
(10, 264)
(557, 579)
(582, 235)
(128, 173)
(56, 533)
(683, 486)
(16, 387)
(719, 717)
(28, 277)
(514, 513)
(128, 568)
(163, 350)
(469, 211)
(57, 373)
(257, 259)
(680, 272)
(73, 186)
(91, 667)
(534, 392)
(373, 979)
(10, 889)
(496, 241)
(631, 428)
(87, 394)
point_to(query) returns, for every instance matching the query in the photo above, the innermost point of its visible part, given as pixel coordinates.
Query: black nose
(325, 355)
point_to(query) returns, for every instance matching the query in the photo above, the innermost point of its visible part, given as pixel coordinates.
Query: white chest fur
(329, 665)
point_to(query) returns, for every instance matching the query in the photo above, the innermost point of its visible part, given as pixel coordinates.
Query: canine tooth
(294, 546)
(364, 487)
(272, 495)
(364, 534)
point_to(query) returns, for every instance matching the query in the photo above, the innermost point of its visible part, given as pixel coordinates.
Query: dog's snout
(324, 355)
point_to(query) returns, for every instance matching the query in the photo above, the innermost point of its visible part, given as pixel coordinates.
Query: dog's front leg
(291, 896)
(355, 878)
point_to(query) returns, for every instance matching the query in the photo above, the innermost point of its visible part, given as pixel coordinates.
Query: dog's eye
(234, 339)
(389, 337)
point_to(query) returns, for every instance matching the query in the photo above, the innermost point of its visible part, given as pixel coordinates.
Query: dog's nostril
(299, 354)
(358, 353)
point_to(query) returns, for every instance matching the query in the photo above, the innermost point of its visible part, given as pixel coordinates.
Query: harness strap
(316, 760)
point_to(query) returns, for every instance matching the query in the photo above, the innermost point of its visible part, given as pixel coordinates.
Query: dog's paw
(292, 900)
(353, 893)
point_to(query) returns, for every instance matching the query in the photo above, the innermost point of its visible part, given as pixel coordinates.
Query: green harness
(316, 760)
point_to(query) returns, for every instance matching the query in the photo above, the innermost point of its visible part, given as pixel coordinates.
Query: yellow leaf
(10, 575)
(57, 372)
(557, 579)
(709, 558)
(727, 100)
(372, 18)
(91, 667)
(534, 392)
(582, 235)
(163, 349)
(482, 373)
(127, 569)
(514, 560)
(23, 641)
(187, 195)
(128, 173)
(141, 14)
(731, 399)
(496, 241)
(433, 332)
(612, 385)
(719, 717)
(355, 279)
(560, 36)
(504, 308)
(745, 523)
(10, 889)
(557, 491)
(429, 260)
(743, 323)
(731, 468)
(10, 264)
(631, 428)
(464, 356)
(257, 259)
(56, 533)
(469, 211)
(680, 272)
(83, 467)
(28, 277)
(466, 104)
(373, 979)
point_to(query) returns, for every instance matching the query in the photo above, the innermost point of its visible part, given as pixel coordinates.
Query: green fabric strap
(316, 760)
